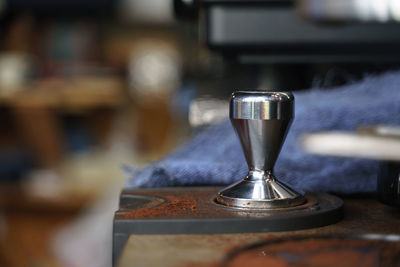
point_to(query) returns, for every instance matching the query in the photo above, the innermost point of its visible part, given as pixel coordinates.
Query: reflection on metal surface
(258, 191)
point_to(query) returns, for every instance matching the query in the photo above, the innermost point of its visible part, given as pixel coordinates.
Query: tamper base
(255, 193)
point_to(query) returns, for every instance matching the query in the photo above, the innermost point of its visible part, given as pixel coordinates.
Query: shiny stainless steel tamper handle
(261, 120)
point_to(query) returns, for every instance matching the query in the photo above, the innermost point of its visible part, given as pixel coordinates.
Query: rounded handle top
(262, 105)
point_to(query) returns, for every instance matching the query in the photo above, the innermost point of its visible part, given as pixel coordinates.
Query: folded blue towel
(214, 157)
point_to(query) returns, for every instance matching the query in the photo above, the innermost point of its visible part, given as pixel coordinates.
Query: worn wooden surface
(363, 215)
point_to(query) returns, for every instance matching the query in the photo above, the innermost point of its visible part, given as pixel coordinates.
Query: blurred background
(89, 86)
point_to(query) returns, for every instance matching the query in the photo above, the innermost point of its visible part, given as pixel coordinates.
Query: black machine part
(266, 31)
(389, 183)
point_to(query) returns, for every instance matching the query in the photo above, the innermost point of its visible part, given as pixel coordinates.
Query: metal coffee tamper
(261, 120)
(257, 203)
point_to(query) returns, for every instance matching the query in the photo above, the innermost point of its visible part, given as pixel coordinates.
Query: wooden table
(363, 215)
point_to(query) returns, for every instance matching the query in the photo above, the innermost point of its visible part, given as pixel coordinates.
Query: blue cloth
(215, 156)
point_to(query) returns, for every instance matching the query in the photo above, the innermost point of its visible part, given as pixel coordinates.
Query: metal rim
(243, 203)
